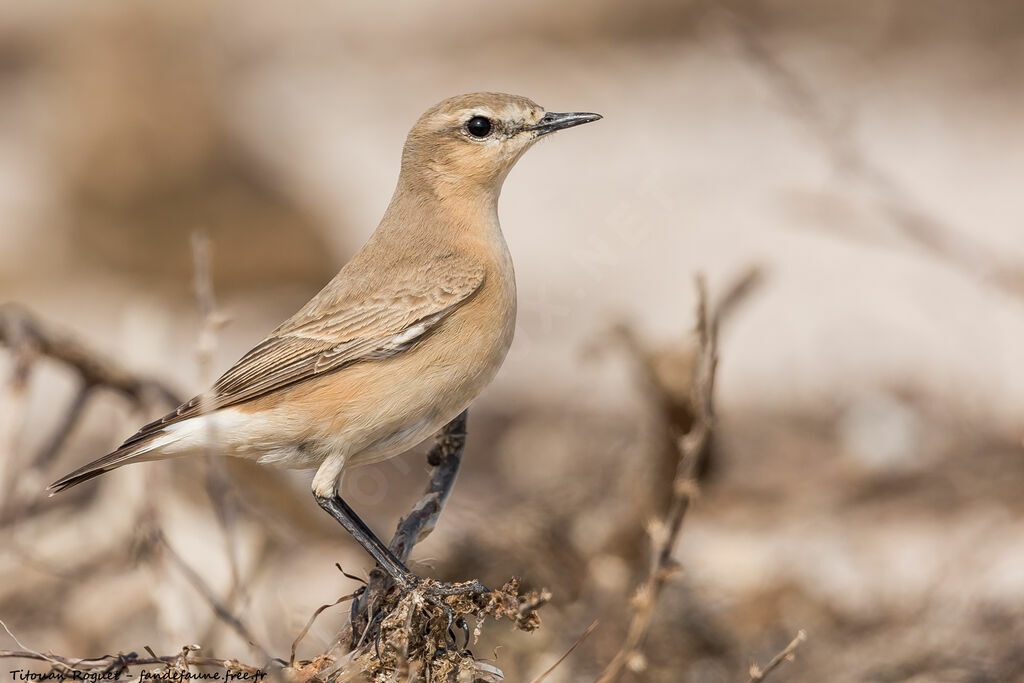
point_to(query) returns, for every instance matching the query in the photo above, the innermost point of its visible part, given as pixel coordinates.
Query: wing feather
(328, 336)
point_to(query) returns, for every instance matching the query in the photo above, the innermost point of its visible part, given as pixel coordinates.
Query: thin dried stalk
(312, 620)
(29, 339)
(786, 655)
(218, 486)
(583, 636)
(664, 532)
(222, 611)
(19, 330)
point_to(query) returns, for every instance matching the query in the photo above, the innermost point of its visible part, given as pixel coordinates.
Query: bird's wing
(333, 332)
(350, 321)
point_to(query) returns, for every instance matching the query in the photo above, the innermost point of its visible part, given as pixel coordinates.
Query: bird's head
(469, 143)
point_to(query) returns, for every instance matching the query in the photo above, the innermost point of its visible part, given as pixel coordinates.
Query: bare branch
(29, 339)
(786, 655)
(665, 374)
(445, 456)
(73, 412)
(218, 486)
(20, 330)
(583, 636)
(664, 532)
(738, 291)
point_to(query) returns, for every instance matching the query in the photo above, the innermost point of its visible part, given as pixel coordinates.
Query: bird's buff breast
(448, 370)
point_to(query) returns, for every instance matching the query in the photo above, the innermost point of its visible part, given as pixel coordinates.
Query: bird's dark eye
(479, 126)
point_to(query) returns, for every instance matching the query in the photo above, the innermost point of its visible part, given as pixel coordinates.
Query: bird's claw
(443, 590)
(452, 642)
(433, 593)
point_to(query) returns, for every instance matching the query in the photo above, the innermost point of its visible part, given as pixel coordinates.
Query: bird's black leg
(386, 559)
(348, 518)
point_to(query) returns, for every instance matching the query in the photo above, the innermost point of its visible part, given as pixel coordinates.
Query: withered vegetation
(412, 633)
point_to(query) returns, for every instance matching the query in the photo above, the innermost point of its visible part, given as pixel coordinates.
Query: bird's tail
(131, 451)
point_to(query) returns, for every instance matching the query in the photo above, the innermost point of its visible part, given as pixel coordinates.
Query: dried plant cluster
(413, 640)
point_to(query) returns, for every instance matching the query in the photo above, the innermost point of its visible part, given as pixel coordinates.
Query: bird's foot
(433, 593)
(408, 582)
(440, 589)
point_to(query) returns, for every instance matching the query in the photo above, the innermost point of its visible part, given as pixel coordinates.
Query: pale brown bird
(399, 343)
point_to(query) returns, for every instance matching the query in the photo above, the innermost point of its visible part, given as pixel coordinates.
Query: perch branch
(445, 457)
(664, 532)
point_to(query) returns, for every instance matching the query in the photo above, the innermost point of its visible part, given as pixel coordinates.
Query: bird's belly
(311, 452)
(431, 397)
(395, 443)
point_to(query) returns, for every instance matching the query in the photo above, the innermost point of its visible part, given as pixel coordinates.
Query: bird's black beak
(552, 122)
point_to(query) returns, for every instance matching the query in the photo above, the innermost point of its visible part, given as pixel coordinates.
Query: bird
(399, 343)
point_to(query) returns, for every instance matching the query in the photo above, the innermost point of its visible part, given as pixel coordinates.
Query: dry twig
(786, 655)
(309, 624)
(664, 532)
(218, 486)
(22, 331)
(583, 636)
(28, 338)
(408, 633)
(219, 608)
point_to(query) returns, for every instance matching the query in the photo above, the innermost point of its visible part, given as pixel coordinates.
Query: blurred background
(867, 469)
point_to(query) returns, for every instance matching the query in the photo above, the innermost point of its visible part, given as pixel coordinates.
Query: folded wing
(336, 329)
